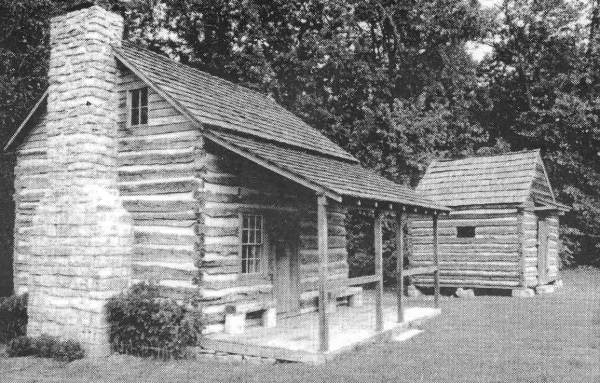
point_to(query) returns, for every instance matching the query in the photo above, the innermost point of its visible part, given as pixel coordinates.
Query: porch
(297, 338)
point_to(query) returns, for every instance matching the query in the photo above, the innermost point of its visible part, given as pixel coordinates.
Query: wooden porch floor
(297, 338)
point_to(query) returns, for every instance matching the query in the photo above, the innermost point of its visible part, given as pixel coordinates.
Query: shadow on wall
(7, 220)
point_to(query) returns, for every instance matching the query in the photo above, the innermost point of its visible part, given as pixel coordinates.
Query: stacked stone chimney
(82, 235)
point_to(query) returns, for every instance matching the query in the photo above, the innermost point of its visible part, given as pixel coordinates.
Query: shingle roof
(341, 177)
(497, 179)
(215, 101)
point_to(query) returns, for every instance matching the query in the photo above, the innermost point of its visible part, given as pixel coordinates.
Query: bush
(13, 317)
(46, 347)
(68, 351)
(144, 324)
(20, 346)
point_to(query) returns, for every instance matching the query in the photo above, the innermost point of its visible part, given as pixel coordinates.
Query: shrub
(20, 346)
(13, 317)
(142, 323)
(46, 347)
(68, 351)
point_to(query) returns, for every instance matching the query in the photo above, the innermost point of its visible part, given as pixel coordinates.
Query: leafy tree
(540, 91)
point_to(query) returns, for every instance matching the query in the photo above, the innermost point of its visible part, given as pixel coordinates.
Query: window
(465, 231)
(252, 243)
(139, 107)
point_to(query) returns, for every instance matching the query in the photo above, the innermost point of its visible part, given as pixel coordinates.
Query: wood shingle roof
(511, 178)
(341, 177)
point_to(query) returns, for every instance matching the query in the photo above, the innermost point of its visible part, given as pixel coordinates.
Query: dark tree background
(391, 81)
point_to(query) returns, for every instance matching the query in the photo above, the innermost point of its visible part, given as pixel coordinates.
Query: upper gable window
(139, 107)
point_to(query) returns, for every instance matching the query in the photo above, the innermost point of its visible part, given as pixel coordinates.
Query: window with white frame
(139, 107)
(252, 243)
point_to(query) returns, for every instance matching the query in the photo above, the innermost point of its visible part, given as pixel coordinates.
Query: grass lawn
(552, 338)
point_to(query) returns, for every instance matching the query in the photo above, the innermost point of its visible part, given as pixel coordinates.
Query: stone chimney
(83, 235)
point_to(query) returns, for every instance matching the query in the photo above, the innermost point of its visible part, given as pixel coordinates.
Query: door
(542, 248)
(286, 278)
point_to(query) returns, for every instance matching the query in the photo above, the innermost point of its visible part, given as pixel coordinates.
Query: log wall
(185, 197)
(158, 181)
(530, 246)
(233, 186)
(31, 183)
(491, 259)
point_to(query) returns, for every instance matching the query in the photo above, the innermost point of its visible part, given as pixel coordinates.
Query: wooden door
(542, 229)
(286, 278)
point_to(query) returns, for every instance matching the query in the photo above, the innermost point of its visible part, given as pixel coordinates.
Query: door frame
(542, 248)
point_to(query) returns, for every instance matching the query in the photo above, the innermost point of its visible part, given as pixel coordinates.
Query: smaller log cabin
(504, 230)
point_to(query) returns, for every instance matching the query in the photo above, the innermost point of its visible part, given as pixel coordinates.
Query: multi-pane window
(139, 107)
(252, 243)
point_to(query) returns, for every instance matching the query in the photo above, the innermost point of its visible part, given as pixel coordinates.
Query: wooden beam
(26, 120)
(400, 264)
(323, 261)
(340, 283)
(436, 263)
(378, 226)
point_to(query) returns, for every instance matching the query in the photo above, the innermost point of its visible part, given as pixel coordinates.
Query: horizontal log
(157, 253)
(452, 232)
(228, 291)
(474, 283)
(157, 157)
(153, 129)
(472, 265)
(186, 215)
(166, 222)
(178, 140)
(165, 206)
(154, 272)
(445, 223)
(479, 240)
(221, 231)
(160, 186)
(164, 236)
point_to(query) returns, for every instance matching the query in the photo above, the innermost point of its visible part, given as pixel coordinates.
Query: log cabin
(503, 232)
(134, 167)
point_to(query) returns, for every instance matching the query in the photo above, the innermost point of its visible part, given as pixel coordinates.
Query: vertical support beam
(379, 269)
(436, 262)
(323, 262)
(400, 263)
(521, 234)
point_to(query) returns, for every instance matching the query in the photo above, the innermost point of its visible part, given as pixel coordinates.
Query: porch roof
(334, 176)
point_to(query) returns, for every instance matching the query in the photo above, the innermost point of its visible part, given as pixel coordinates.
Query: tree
(540, 91)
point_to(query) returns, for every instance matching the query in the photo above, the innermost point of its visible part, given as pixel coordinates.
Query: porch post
(323, 261)
(379, 270)
(436, 262)
(400, 263)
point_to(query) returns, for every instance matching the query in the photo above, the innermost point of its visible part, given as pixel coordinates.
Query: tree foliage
(391, 81)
